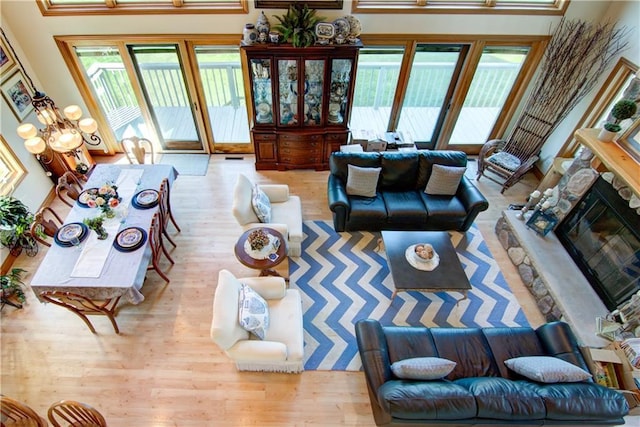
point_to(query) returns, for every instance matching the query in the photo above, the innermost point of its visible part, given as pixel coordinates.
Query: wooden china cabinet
(300, 103)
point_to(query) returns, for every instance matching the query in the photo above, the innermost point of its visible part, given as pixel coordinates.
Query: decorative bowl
(424, 252)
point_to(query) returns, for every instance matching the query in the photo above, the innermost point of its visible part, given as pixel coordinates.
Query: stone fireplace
(553, 277)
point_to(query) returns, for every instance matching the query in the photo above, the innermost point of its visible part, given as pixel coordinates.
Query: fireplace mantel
(613, 157)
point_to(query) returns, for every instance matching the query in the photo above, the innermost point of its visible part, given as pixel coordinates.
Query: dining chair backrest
(136, 149)
(157, 247)
(83, 306)
(165, 204)
(17, 413)
(45, 222)
(68, 188)
(76, 414)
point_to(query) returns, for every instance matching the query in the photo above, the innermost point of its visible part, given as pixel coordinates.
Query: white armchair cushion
(242, 207)
(277, 193)
(225, 329)
(253, 312)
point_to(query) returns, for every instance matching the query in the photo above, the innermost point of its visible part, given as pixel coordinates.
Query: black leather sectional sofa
(480, 390)
(400, 202)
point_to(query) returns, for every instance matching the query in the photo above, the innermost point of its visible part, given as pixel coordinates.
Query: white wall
(626, 13)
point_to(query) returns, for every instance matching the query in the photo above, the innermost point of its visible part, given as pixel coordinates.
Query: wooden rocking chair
(513, 158)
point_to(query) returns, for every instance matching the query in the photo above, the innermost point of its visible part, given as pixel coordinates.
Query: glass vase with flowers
(106, 198)
(96, 224)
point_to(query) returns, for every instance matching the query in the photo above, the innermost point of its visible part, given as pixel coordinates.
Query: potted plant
(15, 222)
(11, 288)
(298, 25)
(623, 109)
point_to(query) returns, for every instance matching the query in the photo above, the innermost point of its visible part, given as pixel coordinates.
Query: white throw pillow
(423, 368)
(253, 312)
(261, 204)
(547, 369)
(362, 181)
(444, 180)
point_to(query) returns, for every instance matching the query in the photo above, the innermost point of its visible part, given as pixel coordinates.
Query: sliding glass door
(163, 82)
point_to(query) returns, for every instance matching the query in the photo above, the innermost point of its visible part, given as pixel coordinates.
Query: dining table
(100, 269)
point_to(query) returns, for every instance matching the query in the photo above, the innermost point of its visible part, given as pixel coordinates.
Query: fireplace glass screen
(601, 234)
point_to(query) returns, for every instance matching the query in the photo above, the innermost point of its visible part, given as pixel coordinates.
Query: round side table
(264, 265)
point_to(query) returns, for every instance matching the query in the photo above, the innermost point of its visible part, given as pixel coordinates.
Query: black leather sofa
(400, 202)
(480, 390)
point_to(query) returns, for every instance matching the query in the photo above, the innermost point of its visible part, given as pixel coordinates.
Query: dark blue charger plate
(145, 199)
(64, 234)
(130, 239)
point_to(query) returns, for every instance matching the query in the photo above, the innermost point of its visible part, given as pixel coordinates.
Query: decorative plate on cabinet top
(325, 30)
(355, 27)
(342, 27)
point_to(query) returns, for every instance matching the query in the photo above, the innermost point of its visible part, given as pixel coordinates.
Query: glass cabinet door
(313, 82)
(262, 99)
(340, 81)
(288, 92)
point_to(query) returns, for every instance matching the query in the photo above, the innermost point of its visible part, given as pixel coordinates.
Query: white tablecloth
(122, 274)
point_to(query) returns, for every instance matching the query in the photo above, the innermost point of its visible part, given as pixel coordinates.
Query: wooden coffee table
(448, 276)
(264, 265)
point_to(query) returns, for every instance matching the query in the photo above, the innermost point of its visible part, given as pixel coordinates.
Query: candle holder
(530, 201)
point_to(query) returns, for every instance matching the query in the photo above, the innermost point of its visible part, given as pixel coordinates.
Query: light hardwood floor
(163, 369)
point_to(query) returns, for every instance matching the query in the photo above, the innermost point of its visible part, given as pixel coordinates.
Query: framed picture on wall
(15, 91)
(320, 4)
(7, 62)
(629, 141)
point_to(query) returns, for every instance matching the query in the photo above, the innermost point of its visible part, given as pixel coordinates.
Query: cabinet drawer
(266, 137)
(299, 159)
(300, 151)
(295, 138)
(337, 138)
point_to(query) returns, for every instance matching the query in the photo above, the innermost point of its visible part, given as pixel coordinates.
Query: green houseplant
(15, 221)
(298, 25)
(11, 287)
(622, 110)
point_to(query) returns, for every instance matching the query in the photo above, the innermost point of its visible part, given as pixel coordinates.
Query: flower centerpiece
(106, 198)
(96, 224)
(258, 239)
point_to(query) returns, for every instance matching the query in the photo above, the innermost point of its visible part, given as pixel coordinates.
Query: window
(134, 7)
(11, 170)
(524, 7)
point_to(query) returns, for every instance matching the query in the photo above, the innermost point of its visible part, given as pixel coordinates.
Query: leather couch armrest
(338, 202)
(374, 353)
(472, 200)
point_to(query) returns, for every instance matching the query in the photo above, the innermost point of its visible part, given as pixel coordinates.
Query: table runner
(95, 251)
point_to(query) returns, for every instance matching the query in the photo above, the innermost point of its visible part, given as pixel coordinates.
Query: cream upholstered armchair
(286, 211)
(282, 348)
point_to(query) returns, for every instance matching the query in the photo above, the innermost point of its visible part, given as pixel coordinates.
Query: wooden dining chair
(165, 210)
(83, 306)
(68, 188)
(15, 413)
(157, 247)
(45, 222)
(136, 149)
(75, 414)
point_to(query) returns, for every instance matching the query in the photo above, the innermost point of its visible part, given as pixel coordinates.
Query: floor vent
(234, 158)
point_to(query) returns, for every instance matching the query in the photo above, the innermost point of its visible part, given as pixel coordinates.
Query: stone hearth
(555, 281)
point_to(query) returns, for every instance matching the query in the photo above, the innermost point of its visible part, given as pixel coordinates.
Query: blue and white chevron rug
(343, 279)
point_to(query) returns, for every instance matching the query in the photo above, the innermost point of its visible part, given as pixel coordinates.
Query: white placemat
(95, 251)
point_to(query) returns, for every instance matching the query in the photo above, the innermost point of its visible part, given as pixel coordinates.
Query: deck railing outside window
(222, 82)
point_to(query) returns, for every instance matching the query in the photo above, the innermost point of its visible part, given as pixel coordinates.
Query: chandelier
(62, 132)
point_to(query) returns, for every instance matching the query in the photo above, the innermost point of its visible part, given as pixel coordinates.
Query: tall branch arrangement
(576, 57)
